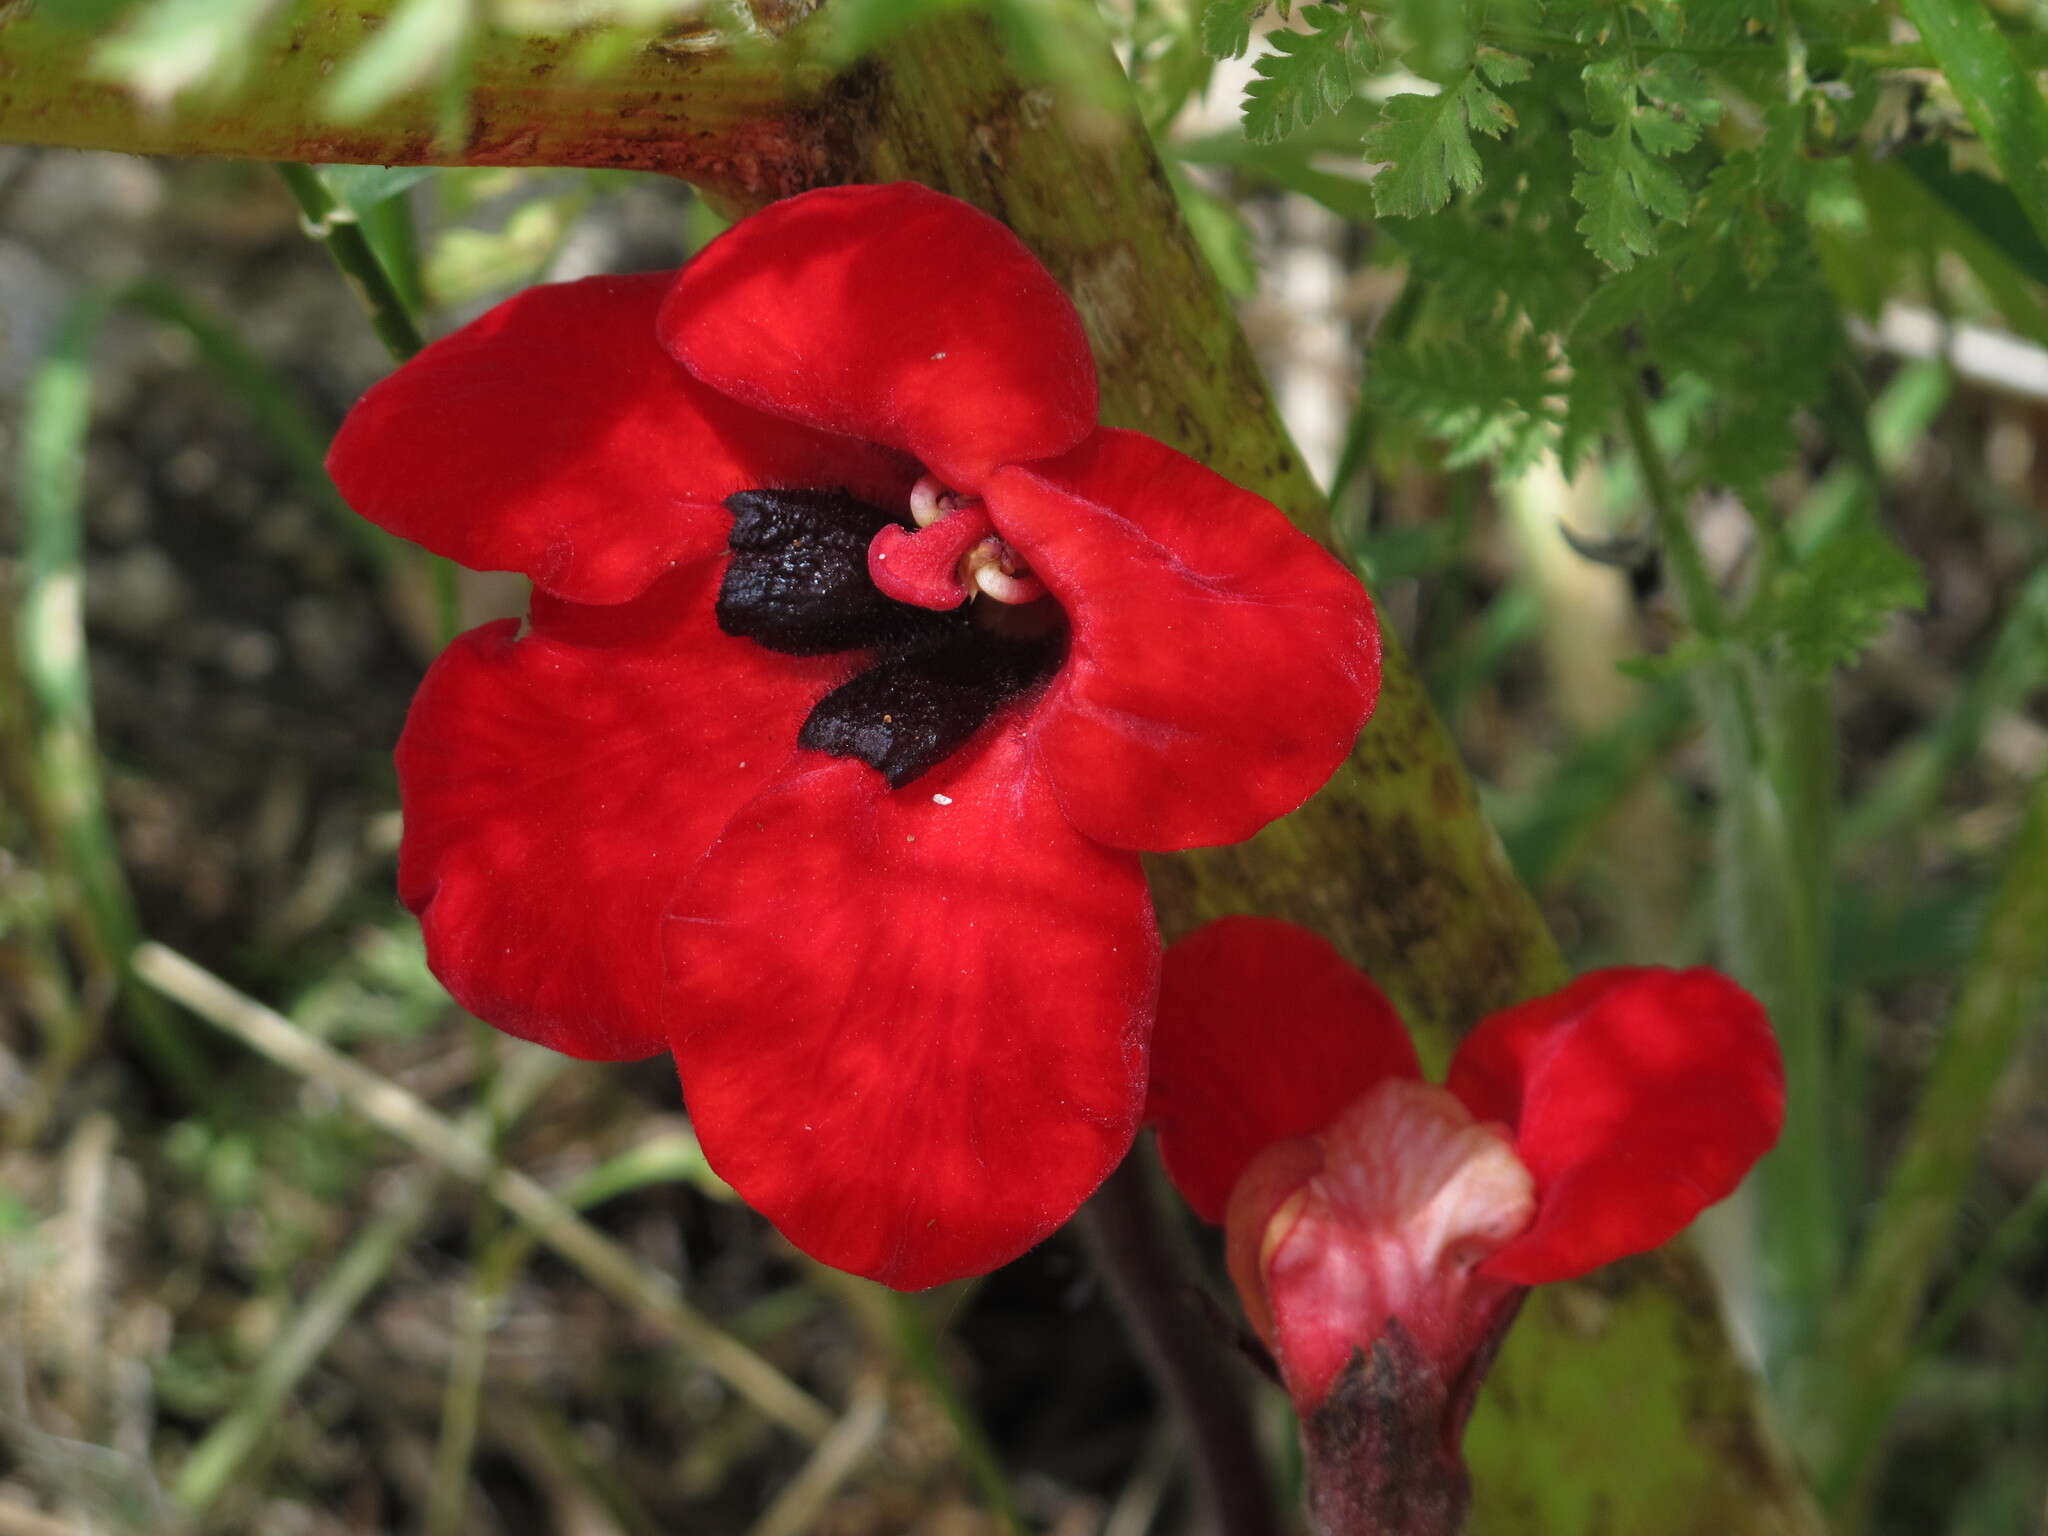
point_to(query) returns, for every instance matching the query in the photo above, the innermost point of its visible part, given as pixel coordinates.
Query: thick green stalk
(1393, 861)
(746, 131)
(1909, 1235)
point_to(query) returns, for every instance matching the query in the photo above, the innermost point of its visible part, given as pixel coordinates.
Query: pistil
(952, 556)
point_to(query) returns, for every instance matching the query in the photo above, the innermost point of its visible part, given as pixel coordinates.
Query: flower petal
(557, 788)
(554, 436)
(911, 1025)
(1639, 1097)
(1221, 663)
(894, 314)
(1265, 1033)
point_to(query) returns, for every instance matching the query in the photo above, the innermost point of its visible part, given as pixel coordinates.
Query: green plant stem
(337, 228)
(1775, 779)
(2015, 664)
(390, 314)
(918, 1343)
(50, 647)
(734, 120)
(1909, 1233)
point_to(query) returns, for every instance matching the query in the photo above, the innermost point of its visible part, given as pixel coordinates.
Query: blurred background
(229, 1299)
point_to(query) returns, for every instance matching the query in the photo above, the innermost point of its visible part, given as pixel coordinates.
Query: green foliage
(1307, 75)
(1487, 398)
(1427, 140)
(360, 188)
(2001, 96)
(1227, 27)
(1625, 186)
(1823, 612)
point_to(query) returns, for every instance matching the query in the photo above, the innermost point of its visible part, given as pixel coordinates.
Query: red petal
(1265, 1033)
(1638, 1099)
(557, 788)
(912, 1033)
(1221, 663)
(894, 314)
(554, 436)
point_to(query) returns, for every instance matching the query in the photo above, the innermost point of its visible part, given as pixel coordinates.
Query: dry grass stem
(608, 1265)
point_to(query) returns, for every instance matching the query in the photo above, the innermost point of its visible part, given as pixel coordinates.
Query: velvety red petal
(1638, 1098)
(1265, 1033)
(1222, 662)
(911, 1025)
(554, 436)
(894, 314)
(557, 788)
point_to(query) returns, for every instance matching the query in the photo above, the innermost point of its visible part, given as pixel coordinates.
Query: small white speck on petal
(938, 357)
(942, 799)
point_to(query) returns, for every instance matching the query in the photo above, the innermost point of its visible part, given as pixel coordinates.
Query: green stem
(1912, 1226)
(732, 120)
(336, 228)
(917, 1341)
(1774, 777)
(50, 646)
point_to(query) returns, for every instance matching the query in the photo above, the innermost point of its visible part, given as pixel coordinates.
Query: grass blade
(1996, 90)
(1915, 1216)
(51, 651)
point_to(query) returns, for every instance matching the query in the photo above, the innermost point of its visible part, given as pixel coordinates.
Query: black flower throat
(798, 583)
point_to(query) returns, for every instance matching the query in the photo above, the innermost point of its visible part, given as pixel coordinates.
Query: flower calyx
(1358, 1254)
(1388, 1219)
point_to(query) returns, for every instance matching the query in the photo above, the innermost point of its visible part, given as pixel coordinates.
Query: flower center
(954, 556)
(800, 582)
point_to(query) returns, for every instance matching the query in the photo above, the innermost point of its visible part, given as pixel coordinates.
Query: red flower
(859, 854)
(1381, 1231)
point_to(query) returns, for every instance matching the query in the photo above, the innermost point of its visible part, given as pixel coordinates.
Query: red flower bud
(1381, 1231)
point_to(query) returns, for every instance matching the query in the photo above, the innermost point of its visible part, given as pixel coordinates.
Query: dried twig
(838, 1455)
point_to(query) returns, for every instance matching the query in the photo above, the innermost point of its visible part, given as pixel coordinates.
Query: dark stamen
(904, 716)
(798, 582)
